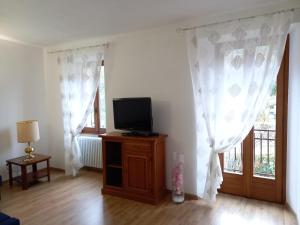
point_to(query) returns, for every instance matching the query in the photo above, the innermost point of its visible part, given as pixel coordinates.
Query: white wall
(147, 63)
(155, 65)
(293, 145)
(22, 97)
(55, 122)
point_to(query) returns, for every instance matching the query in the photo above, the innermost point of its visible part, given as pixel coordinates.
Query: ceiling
(50, 22)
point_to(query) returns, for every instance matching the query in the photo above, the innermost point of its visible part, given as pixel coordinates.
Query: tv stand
(140, 134)
(134, 167)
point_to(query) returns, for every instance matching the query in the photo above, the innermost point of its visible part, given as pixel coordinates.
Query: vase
(177, 178)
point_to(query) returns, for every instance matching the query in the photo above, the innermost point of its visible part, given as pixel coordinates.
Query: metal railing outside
(264, 155)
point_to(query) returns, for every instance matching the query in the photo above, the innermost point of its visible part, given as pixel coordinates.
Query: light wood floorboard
(78, 201)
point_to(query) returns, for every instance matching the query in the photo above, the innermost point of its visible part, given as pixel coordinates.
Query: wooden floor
(79, 201)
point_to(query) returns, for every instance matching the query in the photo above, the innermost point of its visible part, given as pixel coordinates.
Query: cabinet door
(137, 170)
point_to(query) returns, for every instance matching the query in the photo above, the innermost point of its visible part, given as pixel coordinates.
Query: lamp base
(29, 152)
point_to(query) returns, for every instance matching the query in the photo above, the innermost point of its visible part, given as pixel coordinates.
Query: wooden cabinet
(134, 167)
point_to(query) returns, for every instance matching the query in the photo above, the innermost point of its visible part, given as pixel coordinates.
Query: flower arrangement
(177, 178)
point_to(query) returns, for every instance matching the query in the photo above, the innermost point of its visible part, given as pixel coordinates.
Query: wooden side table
(26, 178)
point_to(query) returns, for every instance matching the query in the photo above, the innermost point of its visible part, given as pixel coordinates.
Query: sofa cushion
(10, 221)
(6, 220)
(3, 217)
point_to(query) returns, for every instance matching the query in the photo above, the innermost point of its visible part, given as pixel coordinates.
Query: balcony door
(256, 167)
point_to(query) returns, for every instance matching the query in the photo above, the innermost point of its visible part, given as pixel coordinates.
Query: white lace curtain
(79, 80)
(232, 66)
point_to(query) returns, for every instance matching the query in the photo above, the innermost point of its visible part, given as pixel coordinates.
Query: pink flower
(177, 177)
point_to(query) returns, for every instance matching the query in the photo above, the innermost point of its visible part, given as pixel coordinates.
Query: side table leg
(48, 170)
(34, 171)
(10, 175)
(24, 178)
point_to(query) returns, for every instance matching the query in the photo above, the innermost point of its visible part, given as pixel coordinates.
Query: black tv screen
(133, 114)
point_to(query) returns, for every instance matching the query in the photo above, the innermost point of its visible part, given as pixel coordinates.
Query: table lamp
(28, 131)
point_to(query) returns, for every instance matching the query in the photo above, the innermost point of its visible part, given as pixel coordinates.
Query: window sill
(89, 135)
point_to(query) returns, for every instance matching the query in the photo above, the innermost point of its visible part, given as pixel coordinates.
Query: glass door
(264, 146)
(256, 167)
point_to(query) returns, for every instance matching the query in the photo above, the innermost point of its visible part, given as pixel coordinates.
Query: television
(133, 115)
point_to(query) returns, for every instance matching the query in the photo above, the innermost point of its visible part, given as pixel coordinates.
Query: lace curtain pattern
(79, 80)
(232, 66)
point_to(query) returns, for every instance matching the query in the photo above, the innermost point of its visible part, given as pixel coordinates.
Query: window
(96, 121)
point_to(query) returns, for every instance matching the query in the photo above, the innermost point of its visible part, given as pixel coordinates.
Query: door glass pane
(233, 162)
(264, 138)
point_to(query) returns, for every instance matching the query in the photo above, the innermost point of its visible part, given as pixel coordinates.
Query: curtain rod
(227, 21)
(71, 49)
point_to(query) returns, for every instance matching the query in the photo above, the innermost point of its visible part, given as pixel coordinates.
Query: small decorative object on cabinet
(177, 178)
(134, 167)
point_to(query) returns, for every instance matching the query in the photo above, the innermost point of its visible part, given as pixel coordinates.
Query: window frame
(97, 129)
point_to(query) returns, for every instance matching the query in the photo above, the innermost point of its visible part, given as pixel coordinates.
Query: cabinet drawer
(135, 146)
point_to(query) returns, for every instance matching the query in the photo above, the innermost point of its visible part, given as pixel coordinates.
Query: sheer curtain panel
(232, 66)
(79, 80)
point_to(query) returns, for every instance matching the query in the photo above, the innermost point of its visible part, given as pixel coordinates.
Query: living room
(144, 51)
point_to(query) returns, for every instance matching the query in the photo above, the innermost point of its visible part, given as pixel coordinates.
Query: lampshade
(28, 131)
